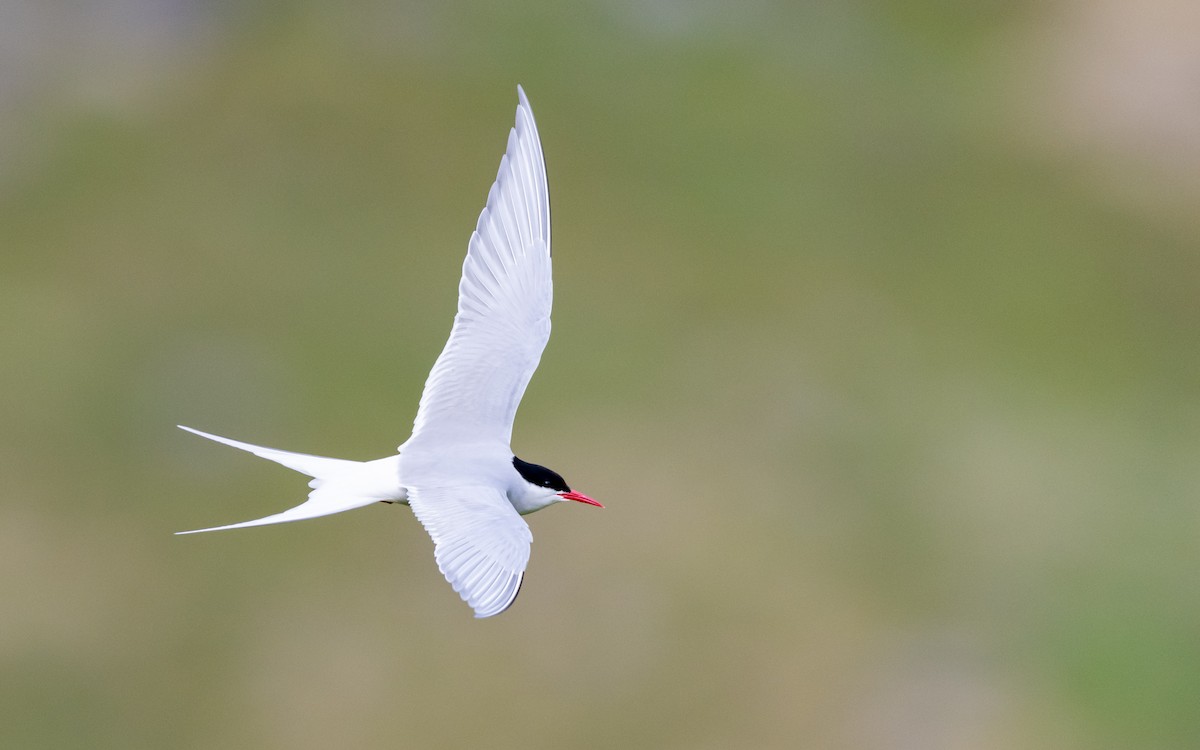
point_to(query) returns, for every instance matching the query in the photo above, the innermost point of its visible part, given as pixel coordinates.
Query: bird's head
(542, 487)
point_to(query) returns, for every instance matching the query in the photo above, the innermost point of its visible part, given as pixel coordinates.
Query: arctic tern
(457, 471)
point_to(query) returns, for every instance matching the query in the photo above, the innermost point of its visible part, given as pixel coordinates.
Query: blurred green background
(875, 330)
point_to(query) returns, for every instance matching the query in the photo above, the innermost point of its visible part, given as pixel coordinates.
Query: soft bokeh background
(876, 330)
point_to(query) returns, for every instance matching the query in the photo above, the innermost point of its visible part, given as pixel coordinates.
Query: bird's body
(457, 471)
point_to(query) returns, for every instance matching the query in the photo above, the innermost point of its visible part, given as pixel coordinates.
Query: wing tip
(504, 604)
(523, 105)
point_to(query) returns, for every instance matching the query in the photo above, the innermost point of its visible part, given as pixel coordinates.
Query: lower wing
(481, 543)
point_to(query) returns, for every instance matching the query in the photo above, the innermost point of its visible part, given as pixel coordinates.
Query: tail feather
(313, 466)
(318, 504)
(338, 484)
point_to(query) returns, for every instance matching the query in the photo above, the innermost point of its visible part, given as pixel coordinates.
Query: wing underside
(480, 542)
(505, 296)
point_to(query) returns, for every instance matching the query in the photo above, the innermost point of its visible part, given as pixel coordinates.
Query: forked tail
(337, 484)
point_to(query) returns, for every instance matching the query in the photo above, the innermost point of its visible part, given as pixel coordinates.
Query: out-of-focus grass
(893, 403)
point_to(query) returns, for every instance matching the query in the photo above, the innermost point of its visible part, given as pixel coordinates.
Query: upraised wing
(480, 543)
(504, 301)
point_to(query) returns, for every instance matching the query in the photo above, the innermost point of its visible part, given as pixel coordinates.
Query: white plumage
(457, 471)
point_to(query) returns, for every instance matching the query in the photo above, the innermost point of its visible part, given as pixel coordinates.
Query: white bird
(457, 471)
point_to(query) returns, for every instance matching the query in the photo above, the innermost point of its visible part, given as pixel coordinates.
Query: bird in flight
(457, 471)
